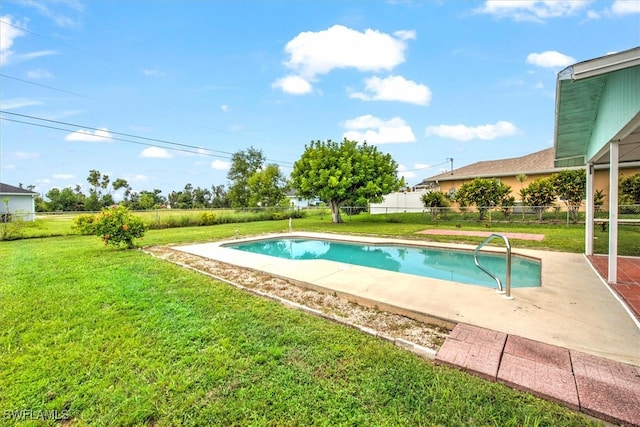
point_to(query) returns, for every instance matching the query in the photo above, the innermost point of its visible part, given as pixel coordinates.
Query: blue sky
(423, 80)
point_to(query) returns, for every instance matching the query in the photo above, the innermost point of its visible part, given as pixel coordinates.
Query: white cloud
(81, 135)
(402, 172)
(405, 34)
(14, 103)
(153, 73)
(136, 178)
(313, 53)
(294, 85)
(9, 167)
(374, 130)
(625, 7)
(592, 14)
(550, 59)
(35, 55)
(39, 74)
(220, 165)
(224, 108)
(8, 33)
(422, 166)
(316, 53)
(63, 176)
(25, 155)
(394, 88)
(54, 11)
(155, 153)
(465, 133)
(532, 10)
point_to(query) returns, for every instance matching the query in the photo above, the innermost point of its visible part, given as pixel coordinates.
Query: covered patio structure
(598, 123)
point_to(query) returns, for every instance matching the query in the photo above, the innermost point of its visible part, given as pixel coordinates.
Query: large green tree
(65, 200)
(267, 187)
(336, 172)
(243, 165)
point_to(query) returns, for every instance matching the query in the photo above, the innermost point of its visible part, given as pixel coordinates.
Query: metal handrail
(507, 289)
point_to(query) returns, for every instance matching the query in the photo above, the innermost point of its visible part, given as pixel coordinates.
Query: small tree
(540, 194)
(598, 200)
(11, 224)
(630, 186)
(434, 200)
(484, 193)
(338, 172)
(521, 177)
(506, 206)
(570, 186)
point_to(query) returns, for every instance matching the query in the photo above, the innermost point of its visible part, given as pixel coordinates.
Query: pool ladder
(506, 290)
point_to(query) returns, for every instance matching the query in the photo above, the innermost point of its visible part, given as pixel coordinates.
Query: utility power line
(168, 144)
(45, 86)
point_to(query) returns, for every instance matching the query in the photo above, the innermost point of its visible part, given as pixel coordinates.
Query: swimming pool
(438, 263)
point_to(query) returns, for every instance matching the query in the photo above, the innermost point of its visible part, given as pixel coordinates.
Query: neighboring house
(297, 202)
(536, 165)
(19, 201)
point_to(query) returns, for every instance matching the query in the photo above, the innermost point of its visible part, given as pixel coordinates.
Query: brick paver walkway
(628, 283)
(600, 387)
(520, 236)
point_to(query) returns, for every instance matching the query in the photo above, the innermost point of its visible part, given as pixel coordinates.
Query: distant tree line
(251, 184)
(345, 173)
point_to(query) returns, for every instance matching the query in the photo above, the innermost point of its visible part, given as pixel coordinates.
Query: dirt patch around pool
(399, 329)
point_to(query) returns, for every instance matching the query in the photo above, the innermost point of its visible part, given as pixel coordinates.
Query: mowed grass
(557, 236)
(116, 337)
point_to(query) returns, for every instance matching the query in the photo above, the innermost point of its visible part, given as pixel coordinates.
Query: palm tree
(521, 178)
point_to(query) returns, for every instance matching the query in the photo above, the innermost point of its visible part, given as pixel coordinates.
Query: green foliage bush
(207, 218)
(630, 186)
(84, 224)
(118, 226)
(11, 224)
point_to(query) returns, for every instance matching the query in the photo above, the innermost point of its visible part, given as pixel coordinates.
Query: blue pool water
(446, 264)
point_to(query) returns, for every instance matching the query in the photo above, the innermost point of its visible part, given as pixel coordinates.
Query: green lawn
(116, 337)
(558, 236)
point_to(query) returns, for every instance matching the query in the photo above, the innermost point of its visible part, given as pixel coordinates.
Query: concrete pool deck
(572, 309)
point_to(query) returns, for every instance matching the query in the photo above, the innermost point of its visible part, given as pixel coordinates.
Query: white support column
(588, 238)
(612, 276)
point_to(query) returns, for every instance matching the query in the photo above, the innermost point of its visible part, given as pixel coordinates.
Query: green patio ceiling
(597, 101)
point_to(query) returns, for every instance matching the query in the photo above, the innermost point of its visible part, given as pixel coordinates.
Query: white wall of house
(20, 205)
(299, 203)
(399, 202)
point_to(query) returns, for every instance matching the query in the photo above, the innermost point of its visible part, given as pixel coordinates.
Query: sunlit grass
(557, 236)
(116, 337)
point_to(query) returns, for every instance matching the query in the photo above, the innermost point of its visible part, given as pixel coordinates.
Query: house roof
(10, 189)
(598, 101)
(535, 163)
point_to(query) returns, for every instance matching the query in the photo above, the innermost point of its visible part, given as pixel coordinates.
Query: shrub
(85, 224)
(207, 218)
(11, 224)
(118, 226)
